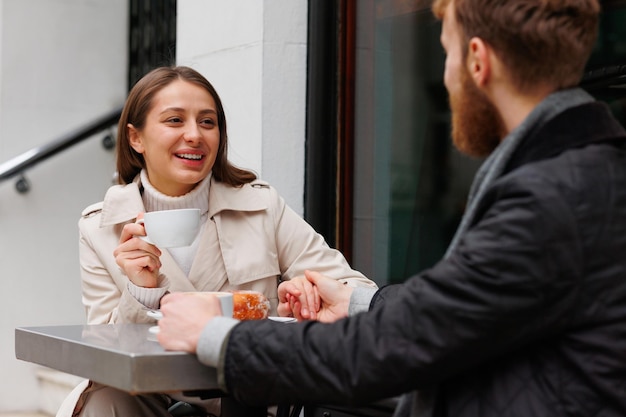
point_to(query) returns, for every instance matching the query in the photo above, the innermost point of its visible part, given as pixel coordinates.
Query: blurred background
(339, 104)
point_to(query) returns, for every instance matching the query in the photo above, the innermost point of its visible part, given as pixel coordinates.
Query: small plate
(282, 319)
(155, 314)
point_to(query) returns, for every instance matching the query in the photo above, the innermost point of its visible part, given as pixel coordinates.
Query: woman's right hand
(138, 259)
(298, 298)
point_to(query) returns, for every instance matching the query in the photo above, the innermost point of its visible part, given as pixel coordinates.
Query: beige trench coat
(261, 240)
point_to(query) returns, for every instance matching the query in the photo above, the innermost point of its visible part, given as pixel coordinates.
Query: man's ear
(478, 61)
(134, 138)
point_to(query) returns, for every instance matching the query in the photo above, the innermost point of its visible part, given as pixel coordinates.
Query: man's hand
(184, 317)
(332, 295)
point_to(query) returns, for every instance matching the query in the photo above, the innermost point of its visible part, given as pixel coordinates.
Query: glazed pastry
(250, 305)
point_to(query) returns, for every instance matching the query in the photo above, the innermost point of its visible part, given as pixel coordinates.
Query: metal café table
(123, 356)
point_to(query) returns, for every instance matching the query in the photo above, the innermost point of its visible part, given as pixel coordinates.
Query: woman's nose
(192, 133)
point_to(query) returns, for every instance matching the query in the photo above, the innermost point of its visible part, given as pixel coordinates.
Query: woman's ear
(134, 138)
(478, 61)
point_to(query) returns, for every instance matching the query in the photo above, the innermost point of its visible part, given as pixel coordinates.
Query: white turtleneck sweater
(154, 200)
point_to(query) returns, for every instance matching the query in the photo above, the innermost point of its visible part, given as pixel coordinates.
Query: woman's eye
(207, 122)
(174, 120)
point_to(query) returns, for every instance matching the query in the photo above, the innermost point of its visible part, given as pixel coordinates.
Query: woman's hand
(298, 298)
(138, 259)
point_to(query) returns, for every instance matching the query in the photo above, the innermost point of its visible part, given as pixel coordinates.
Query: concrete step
(54, 386)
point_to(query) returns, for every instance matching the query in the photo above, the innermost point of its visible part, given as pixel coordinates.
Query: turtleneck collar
(122, 202)
(154, 200)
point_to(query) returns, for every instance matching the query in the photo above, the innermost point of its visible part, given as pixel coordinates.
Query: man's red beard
(477, 127)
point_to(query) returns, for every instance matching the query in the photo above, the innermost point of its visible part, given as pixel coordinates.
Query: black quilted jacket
(527, 318)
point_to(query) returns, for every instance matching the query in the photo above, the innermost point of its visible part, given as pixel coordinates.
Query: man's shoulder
(578, 165)
(590, 176)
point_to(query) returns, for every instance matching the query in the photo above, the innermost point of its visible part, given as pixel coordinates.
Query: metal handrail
(18, 164)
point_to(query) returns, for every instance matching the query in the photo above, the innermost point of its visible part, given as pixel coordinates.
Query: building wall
(254, 53)
(64, 63)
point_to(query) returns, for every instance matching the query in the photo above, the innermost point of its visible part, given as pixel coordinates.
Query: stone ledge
(54, 387)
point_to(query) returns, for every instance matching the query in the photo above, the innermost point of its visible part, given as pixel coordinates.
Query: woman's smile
(191, 158)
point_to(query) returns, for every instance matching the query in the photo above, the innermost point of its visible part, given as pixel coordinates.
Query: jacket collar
(122, 202)
(573, 128)
(224, 197)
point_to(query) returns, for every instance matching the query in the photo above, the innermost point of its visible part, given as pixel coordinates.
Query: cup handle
(144, 238)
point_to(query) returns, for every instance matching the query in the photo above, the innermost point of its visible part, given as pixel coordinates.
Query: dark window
(152, 36)
(382, 167)
(605, 76)
(384, 184)
(410, 183)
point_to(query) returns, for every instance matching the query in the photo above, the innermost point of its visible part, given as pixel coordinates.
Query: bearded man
(526, 313)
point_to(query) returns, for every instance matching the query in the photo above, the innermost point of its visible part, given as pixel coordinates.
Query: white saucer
(282, 319)
(155, 314)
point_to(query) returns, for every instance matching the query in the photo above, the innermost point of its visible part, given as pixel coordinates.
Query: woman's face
(180, 138)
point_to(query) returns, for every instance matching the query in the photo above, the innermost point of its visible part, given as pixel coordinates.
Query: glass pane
(606, 75)
(410, 183)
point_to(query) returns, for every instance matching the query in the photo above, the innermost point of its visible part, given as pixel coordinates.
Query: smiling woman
(172, 154)
(165, 99)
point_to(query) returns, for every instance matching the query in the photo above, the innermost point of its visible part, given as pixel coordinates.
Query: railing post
(22, 185)
(108, 141)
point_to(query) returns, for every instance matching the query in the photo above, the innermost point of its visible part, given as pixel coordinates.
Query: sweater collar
(155, 200)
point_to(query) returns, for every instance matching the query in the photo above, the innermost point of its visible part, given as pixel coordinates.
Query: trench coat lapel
(201, 266)
(121, 204)
(225, 197)
(178, 281)
(222, 198)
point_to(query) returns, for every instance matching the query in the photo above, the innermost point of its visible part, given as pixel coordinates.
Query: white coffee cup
(226, 304)
(171, 228)
(226, 300)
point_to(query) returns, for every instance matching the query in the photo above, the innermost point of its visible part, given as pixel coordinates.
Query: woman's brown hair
(539, 41)
(135, 111)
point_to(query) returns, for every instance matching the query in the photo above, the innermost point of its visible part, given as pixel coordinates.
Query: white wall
(62, 64)
(254, 53)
